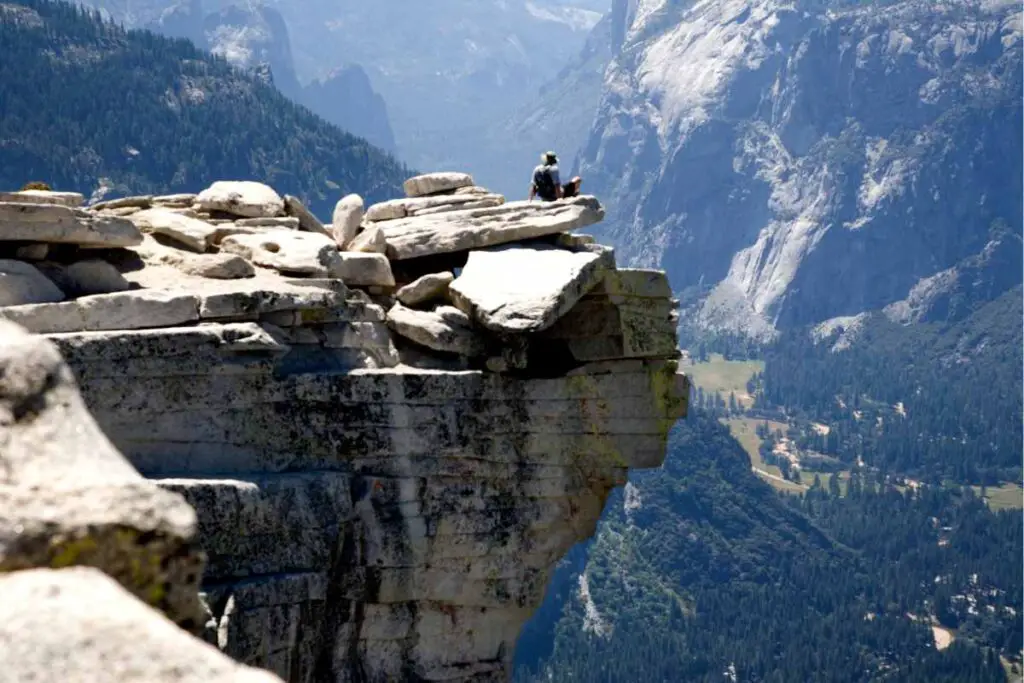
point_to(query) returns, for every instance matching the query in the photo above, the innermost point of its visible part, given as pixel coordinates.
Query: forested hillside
(700, 572)
(926, 400)
(85, 104)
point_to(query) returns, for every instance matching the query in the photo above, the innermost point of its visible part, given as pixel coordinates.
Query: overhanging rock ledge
(382, 490)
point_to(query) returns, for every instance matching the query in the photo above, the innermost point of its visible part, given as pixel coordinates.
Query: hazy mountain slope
(255, 37)
(451, 71)
(346, 98)
(559, 116)
(801, 160)
(84, 104)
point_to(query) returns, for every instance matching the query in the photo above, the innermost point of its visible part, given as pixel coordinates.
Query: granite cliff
(764, 153)
(388, 429)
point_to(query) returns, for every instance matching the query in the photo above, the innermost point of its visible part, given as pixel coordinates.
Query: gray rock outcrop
(380, 486)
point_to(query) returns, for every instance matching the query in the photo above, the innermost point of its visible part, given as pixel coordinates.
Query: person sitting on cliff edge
(547, 185)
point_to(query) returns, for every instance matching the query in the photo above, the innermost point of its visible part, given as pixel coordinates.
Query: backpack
(545, 183)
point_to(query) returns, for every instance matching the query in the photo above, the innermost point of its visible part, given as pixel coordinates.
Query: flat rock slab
(139, 202)
(400, 208)
(446, 329)
(455, 231)
(69, 199)
(518, 289)
(432, 183)
(121, 311)
(244, 198)
(23, 283)
(191, 233)
(287, 251)
(78, 626)
(63, 225)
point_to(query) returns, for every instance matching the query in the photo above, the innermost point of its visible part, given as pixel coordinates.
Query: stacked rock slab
(384, 487)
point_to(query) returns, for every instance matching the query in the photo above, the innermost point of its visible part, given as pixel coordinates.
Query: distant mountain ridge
(135, 113)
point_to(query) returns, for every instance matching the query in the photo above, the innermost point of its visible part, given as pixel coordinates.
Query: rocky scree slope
(766, 153)
(390, 427)
(128, 112)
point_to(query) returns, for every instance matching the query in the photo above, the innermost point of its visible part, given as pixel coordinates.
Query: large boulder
(63, 225)
(68, 497)
(432, 183)
(371, 241)
(456, 231)
(348, 214)
(244, 198)
(287, 251)
(23, 283)
(424, 289)
(446, 329)
(191, 233)
(77, 625)
(364, 270)
(524, 289)
(83, 278)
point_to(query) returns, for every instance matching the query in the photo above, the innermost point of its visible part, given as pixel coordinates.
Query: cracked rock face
(811, 160)
(382, 483)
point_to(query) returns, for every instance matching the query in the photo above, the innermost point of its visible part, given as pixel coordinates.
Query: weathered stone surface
(267, 524)
(275, 622)
(69, 199)
(83, 278)
(23, 283)
(431, 183)
(483, 202)
(244, 198)
(519, 289)
(447, 329)
(348, 215)
(77, 625)
(189, 233)
(400, 208)
(119, 311)
(63, 225)
(606, 326)
(307, 221)
(281, 222)
(426, 288)
(181, 200)
(214, 266)
(140, 202)
(287, 251)
(636, 282)
(370, 240)
(471, 189)
(67, 497)
(477, 228)
(363, 270)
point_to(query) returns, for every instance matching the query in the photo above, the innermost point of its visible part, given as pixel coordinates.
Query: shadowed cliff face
(787, 163)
